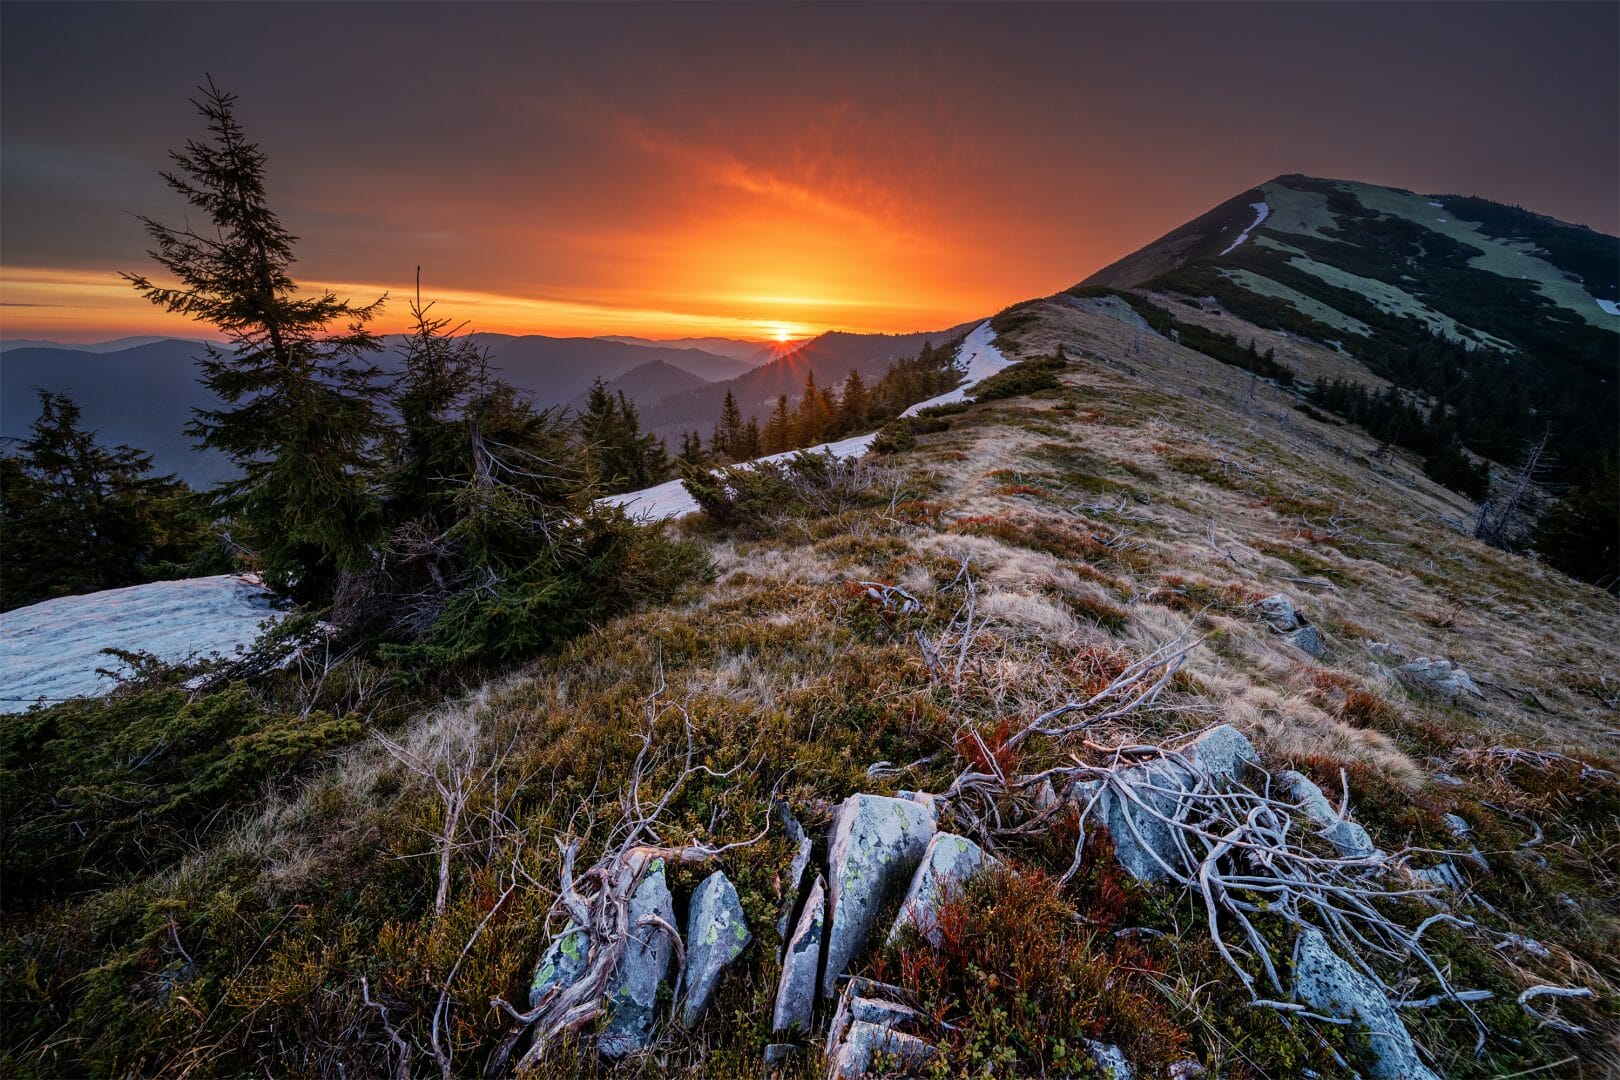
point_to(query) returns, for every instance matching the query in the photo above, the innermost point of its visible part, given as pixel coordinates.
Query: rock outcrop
(1327, 984)
(796, 992)
(632, 993)
(947, 863)
(1442, 677)
(870, 1022)
(876, 845)
(716, 934)
(561, 964)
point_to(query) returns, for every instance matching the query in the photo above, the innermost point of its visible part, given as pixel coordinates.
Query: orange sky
(764, 170)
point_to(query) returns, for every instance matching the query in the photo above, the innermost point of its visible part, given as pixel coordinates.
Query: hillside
(901, 625)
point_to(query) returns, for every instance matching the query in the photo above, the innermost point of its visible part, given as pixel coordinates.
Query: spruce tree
(853, 404)
(299, 414)
(728, 430)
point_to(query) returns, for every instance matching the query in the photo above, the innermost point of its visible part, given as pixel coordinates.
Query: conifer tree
(692, 452)
(750, 440)
(728, 430)
(853, 404)
(778, 433)
(299, 413)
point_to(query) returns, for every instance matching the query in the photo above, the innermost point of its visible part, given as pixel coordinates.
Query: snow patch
(50, 651)
(1610, 306)
(669, 500)
(1433, 203)
(1261, 211)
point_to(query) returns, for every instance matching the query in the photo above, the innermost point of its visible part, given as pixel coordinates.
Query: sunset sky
(761, 171)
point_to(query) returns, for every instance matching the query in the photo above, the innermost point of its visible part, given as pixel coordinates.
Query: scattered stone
(1046, 796)
(1187, 1070)
(925, 800)
(1347, 836)
(1447, 780)
(1143, 844)
(561, 964)
(865, 1042)
(1442, 677)
(633, 990)
(796, 993)
(1280, 613)
(875, 846)
(1457, 826)
(1327, 984)
(1386, 650)
(1110, 1059)
(947, 863)
(716, 934)
(1444, 876)
(779, 1053)
(1307, 640)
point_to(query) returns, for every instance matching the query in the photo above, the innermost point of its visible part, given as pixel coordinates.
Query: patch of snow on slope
(51, 650)
(669, 500)
(1261, 211)
(1610, 306)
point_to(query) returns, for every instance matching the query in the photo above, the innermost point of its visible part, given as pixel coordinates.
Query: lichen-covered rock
(865, 1042)
(1279, 613)
(632, 993)
(1307, 640)
(1442, 677)
(1347, 836)
(947, 863)
(1110, 1060)
(1143, 844)
(875, 846)
(716, 934)
(561, 964)
(796, 992)
(1327, 984)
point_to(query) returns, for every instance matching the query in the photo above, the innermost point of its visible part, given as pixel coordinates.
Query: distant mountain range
(141, 391)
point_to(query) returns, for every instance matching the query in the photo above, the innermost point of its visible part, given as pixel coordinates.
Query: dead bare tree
(1504, 520)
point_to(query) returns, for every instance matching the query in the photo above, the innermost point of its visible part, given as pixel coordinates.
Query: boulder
(1307, 640)
(1144, 844)
(796, 992)
(561, 964)
(1347, 836)
(1327, 984)
(1279, 613)
(864, 1043)
(1442, 677)
(716, 934)
(876, 844)
(947, 863)
(633, 990)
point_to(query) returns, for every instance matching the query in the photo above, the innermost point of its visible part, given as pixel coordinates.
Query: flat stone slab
(876, 845)
(796, 992)
(948, 862)
(716, 934)
(633, 990)
(1326, 983)
(865, 1043)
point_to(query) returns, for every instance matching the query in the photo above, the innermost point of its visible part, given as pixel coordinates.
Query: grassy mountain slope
(1154, 494)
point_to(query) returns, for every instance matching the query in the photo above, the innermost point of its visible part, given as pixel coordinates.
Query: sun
(782, 333)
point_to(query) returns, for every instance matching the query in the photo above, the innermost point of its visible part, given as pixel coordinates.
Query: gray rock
(779, 1054)
(795, 879)
(947, 863)
(1447, 780)
(633, 990)
(561, 964)
(716, 934)
(1444, 876)
(1279, 613)
(868, 1001)
(1347, 836)
(1327, 984)
(1307, 640)
(1186, 1070)
(1143, 844)
(1442, 677)
(1110, 1059)
(865, 1042)
(875, 846)
(1386, 650)
(796, 992)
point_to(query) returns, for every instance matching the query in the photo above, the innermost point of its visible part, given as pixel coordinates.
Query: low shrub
(1024, 377)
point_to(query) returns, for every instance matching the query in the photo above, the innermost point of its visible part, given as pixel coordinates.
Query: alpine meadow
(710, 540)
